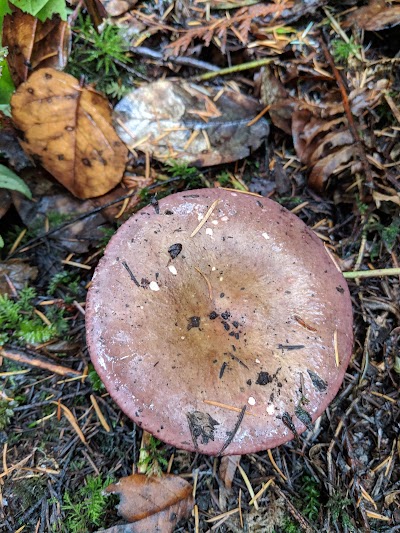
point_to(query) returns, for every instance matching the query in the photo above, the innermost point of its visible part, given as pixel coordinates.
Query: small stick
(207, 281)
(25, 359)
(276, 467)
(232, 70)
(99, 414)
(379, 272)
(131, 274)
(235, 430)
(350, 119)
(206, 217)
(293, 511)
(335, 345)
(225, 406)
(248, 485)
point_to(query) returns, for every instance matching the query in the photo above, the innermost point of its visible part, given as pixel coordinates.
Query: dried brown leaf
(330, 164)
(50, 198)
(153, 503)
(323, 145)
(68, 129)
(376, 16)
(18, 272)
(116, 8)
(240, 21)
(33, 44)
(177, 121)
(227, 469)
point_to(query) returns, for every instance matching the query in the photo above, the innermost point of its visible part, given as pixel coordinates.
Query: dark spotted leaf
(68, 129)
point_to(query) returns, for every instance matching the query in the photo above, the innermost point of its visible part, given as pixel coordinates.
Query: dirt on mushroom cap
(254, 313)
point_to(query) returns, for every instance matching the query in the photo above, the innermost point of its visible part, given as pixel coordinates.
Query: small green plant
(19, 322)
(337, 505)
(342, 50)
(289, 526)
(86, 507)
(9, 180)
(68, 282)
(6, 413)
(151, 459)
(94, 378)
(224, 179)
(179, 169)
(100, 57)
(310, 495)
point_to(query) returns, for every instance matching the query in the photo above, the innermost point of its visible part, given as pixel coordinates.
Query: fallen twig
(25, 359)
(377, 273)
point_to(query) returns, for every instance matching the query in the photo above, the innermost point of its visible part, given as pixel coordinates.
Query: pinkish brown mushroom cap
(186, 329)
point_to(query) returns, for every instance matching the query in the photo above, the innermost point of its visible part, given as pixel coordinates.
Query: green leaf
(1, 242)
(6, 109)
(9, 180)
(4, 10)
(42, 9)
(6, 83)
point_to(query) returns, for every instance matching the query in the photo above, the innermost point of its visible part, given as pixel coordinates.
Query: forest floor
(327, 80)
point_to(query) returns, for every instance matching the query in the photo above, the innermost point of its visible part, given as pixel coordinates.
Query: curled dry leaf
(177, 120)
(153, 503)
(68, 129)
(376, 16)
(325, 146)
(321, 135)
(33, 44)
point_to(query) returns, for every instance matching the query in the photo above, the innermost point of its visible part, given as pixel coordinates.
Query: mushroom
(218, 322)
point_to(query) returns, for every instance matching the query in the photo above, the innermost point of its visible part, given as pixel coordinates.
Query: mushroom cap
(250, 312)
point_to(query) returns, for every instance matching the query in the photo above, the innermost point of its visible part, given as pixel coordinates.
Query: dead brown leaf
(68, 129)
(323, 145)
(376, 16)
(15, 274)
(174, 120)
(153, 503)
(227, 469)
(49, 201)
(116, 8)
(33, 44)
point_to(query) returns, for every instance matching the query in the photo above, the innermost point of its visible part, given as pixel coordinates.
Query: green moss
(85, 507)
(6, 413)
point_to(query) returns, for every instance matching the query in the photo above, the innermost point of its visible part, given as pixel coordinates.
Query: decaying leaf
(153, 503)
(15, 274)
(376, 16)
(116, 8)
(68, 129)
(33, 44)
(9, 145)
(321, 135)
(52, 206)
(227, 469)
(179, 121)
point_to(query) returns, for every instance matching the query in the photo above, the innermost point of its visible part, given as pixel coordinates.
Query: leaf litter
(310, 165)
